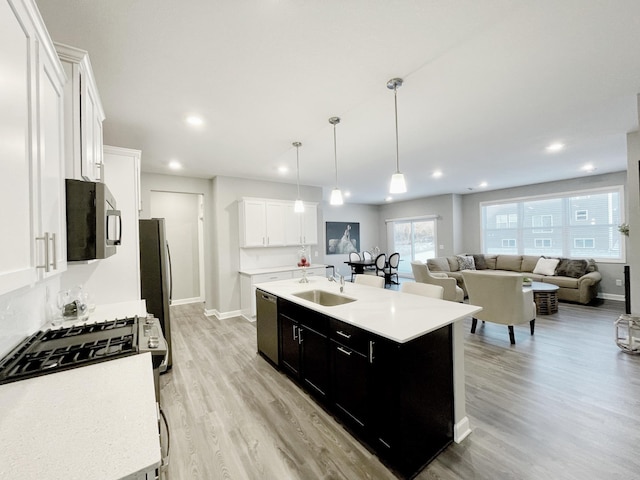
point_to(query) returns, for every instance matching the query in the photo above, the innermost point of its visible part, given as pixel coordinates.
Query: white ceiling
(488, 85)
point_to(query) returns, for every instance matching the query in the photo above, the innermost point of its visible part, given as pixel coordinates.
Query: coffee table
(546, 297)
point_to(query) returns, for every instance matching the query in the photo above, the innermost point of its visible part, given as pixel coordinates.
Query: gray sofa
(578, 279)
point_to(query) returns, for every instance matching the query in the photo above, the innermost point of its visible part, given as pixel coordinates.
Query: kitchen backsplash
(23, 312)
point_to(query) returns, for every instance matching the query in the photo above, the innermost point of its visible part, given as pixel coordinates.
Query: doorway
(184, 217)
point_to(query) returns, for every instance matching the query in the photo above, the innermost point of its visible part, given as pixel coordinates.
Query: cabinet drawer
(270, 277)
(306, 317)
(349, 336)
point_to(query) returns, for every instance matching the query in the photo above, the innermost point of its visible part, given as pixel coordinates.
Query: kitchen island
(388, 365)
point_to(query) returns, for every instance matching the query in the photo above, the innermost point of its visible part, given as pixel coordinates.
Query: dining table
(360, 265)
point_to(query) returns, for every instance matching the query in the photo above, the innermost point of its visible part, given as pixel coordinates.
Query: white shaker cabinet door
(253, 226)
(52, 245)
(17, 195)
(310, 225)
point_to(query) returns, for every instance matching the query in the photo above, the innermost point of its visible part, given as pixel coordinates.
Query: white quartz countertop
(93, 422)
(400, 317)
(286, 268)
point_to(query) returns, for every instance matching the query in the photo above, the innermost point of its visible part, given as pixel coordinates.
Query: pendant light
(398, 185)
(298, 206)
(336, 194)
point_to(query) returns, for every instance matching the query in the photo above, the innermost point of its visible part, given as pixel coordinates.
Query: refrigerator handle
(170, 274)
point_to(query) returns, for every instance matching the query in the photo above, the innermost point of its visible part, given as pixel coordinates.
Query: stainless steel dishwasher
(267, 325)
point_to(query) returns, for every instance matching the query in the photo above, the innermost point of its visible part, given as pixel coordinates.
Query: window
(542, 242)
(539, 221)
(580, 224)
(413, 239)
(584, 243)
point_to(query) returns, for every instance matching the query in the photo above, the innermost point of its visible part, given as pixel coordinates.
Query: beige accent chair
(424, 289)
(502, 299)
(370, 280)
(421, 274)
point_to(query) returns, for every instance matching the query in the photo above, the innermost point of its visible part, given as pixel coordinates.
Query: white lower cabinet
(31, 178)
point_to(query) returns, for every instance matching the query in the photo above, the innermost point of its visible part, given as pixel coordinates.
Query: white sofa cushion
(546, 266)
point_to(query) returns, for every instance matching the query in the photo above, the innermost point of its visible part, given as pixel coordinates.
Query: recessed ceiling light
(347, 194)
(388, 199)
(194, 120)
(437, 174)
(589, 168)
(555, 147)
(175, 165)
(483, 184)
(283, 170)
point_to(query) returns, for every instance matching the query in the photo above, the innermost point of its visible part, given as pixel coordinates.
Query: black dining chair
(354, 257)
(391, 269)
(367, 257)
(381, 262)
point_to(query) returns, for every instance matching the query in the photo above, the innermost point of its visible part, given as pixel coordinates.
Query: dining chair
(381, 263)
(369, 280)
(354, 257)
(367, 257)
(391, 269)
(424, 289)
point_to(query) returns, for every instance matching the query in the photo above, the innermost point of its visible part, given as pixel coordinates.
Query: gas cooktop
(60, 349)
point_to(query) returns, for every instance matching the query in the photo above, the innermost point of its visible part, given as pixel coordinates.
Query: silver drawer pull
(342, 334)
(346, 352)
(371, 344)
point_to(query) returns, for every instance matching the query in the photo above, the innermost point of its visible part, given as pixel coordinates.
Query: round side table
(546, 297)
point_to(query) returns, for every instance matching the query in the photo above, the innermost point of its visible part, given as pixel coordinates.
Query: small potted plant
(624, 229)
(526, 281)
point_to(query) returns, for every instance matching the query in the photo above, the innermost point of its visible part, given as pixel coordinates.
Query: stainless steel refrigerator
(155, 277)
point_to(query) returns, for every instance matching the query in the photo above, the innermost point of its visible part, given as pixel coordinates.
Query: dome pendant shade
(336, 197)
(298, 206)
(398, 184)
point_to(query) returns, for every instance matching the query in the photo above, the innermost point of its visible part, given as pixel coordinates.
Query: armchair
(502, 299)
(422, 274)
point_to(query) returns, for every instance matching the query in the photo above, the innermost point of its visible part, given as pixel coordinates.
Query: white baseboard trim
(611, 296)
(222, 315)
(185, 301)
(461, 430)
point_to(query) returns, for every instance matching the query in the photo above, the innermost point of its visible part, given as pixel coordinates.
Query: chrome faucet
(340, 279)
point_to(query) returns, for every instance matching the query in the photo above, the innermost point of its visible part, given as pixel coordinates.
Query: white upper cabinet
(31, 188)
(83, 116)
(273, 223)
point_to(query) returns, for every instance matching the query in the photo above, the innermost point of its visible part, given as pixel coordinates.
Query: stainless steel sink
(324, 298)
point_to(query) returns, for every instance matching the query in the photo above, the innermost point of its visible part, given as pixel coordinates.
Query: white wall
(181, 214)
(633, 216)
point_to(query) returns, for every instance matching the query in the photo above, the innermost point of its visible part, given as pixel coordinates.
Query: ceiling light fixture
(336, 194)
(398, 185)
(298, 206)
(437, 174)
(555, 147)
(175, 165)
(194, 120)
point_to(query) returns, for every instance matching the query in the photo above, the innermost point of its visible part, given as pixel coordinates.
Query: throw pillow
(561, 269)
(572, 268)
(479, 262)
(465, 262)
(546, 266)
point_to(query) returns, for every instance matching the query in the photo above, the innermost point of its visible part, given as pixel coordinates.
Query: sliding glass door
(413, 239)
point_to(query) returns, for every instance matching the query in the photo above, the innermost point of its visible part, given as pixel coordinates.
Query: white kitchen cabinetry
(83, 116)
(273, 223)
(31, 187)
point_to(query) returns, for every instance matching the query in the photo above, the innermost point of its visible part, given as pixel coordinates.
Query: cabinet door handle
(345, 351)
(342, 334)
(371, 344)
(54, 264)
(46, 252)
(300, 330)
(295, 329)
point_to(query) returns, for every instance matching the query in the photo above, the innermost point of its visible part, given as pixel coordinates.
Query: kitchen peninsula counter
(97, 421)
(417, 343)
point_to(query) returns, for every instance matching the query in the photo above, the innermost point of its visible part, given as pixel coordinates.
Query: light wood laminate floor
(562, 404)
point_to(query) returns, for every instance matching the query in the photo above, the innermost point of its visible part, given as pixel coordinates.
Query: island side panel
(461, 427)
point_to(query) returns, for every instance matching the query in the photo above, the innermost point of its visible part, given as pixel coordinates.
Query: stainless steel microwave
(94, 224)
